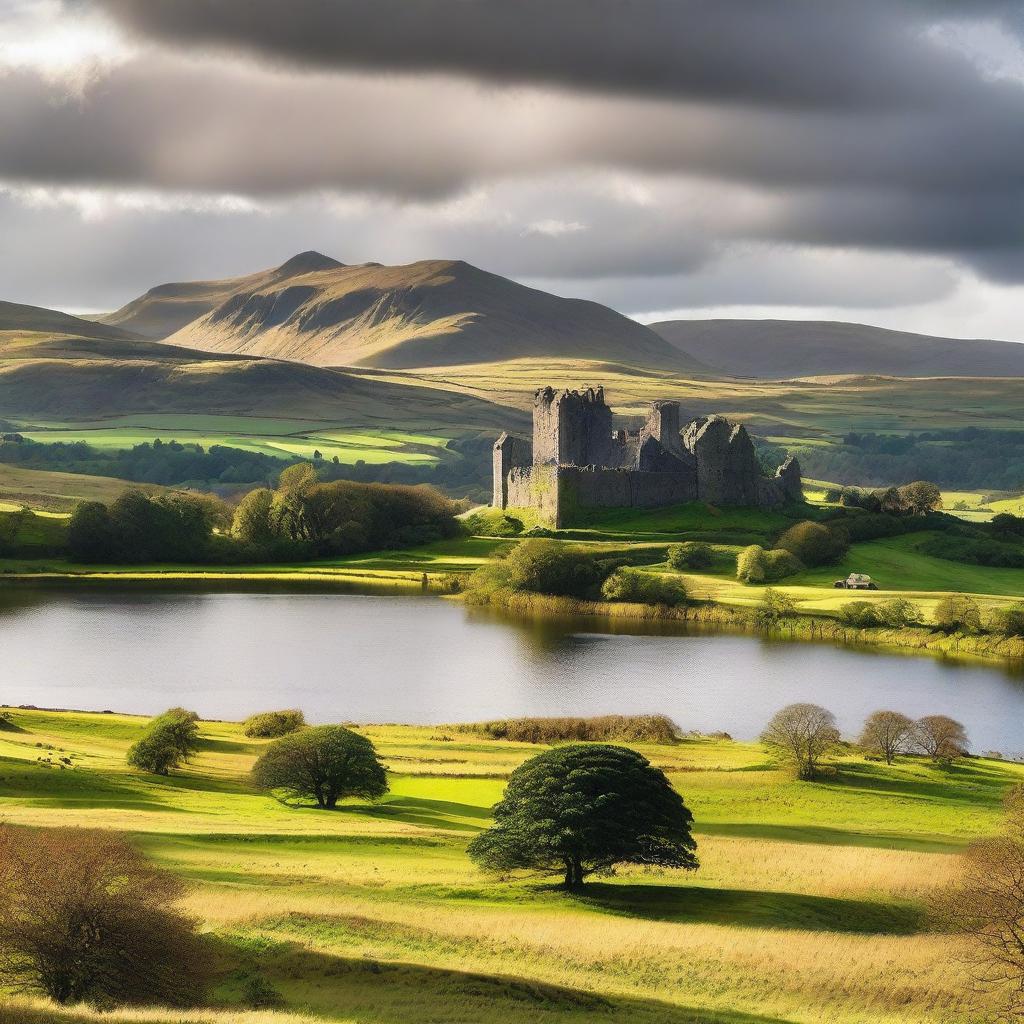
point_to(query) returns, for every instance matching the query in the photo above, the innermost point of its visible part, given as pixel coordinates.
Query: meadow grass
(808, 906)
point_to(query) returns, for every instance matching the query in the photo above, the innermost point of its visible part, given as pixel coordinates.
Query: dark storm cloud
(794, 53)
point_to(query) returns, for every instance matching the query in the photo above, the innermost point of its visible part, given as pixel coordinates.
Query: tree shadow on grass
(827, 836)
(753, 908)
(34, 785)
(962, 783)
(429, 813)
(384, 992)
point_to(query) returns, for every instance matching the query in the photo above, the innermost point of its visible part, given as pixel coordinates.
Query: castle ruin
(576, 460)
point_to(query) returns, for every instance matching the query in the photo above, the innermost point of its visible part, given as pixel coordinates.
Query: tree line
(302, 518)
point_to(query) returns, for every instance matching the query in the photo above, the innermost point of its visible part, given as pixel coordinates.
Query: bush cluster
(895, 613)
(169, 740)
(644, 588)
(756, 565)
(691, 555)
(630, 728)
(271, 724)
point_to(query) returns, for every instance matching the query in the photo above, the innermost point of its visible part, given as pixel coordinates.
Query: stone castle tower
(576, 461)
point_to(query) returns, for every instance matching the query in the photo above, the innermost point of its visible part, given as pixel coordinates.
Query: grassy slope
(796, 408)
(56, 492)
(786, 348)
(806, 907)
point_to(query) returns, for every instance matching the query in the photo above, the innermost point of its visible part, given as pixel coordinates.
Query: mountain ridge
(785, 349)
(429, 313)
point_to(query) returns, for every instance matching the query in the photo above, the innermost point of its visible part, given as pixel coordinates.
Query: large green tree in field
(584, 808)
(324, 763)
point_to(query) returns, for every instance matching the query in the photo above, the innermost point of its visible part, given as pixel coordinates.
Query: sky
(852, 159)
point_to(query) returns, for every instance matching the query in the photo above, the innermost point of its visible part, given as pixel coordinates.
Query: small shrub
(958, 613)
(482, 524)
(774, 607)
(752, 564)
(259, 994)
(814, 544)
(643, 588)
(897, 613)
(859, 614)
(780, 563)
(691, 555)
(169, 740)
(627, 728)
(1008, 621)
(271, 724)
(86, 918)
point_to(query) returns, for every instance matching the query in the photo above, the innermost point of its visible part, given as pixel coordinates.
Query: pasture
(809, 904)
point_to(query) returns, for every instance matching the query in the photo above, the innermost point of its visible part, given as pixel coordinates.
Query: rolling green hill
(68, 379)
(775, 349)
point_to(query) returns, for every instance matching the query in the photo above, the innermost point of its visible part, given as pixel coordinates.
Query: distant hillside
(169, 307)
(80, 378)
(434, 313)
(794, 348)
(28, 320)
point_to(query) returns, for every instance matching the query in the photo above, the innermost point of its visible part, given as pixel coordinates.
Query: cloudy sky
(855, 159)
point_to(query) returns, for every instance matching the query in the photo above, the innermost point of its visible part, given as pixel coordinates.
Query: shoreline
(986, 648)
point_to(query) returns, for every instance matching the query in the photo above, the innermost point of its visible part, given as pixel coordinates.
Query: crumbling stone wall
(510, 452)
(571, 428)
(576, 461)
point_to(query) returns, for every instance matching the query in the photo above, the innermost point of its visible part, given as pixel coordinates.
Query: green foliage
(860, 614)
(773, 609)
(897, 612)
(695, 555)
(483, 524)
(627, 728)
(780, 563)
(542, 566)
(253, 521)
(138, 528)
(644, 588)
(920, 497)
(958, 613)
(752, 564)
(584, 808)
(169, 740)
(271, 724)
(325, 763)
(814, 543)
(1008, 621)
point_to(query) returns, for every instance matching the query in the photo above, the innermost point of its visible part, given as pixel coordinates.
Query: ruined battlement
(576, 460)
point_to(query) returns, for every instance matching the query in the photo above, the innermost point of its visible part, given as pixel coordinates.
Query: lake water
(423, 660)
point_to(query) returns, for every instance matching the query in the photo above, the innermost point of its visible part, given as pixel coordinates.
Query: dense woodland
(967, 459)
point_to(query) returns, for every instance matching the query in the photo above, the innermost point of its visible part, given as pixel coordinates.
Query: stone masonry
(577, 461)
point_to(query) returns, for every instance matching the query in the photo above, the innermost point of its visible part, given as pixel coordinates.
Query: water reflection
(384, 658)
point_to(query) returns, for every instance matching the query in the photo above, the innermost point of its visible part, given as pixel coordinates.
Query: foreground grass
(807, 907)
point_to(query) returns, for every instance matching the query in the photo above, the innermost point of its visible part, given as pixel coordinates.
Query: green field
(280, 438)
(808, 905)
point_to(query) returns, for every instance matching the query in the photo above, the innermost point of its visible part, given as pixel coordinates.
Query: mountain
(779, 349)
(169, 307)
(35, 320)
(315, 310)
(69, 378)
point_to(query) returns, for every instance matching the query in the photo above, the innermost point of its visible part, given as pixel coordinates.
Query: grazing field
(283, 439)
(808, 906)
